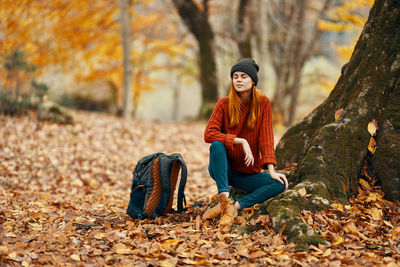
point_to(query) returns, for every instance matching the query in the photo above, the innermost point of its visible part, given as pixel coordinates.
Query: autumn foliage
(83, 38)
(64, 190)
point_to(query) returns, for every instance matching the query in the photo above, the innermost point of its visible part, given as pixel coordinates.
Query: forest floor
(64, 190)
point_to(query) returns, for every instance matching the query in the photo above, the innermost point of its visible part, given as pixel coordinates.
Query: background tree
(291, 40)
(195, 17)
(126, 48)
(244, 20)
(329, 151)
(17, 69)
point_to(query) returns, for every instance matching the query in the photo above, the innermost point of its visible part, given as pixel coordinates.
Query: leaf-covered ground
(64, 190)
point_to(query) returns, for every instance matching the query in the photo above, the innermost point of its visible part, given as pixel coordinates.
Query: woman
(242, 144)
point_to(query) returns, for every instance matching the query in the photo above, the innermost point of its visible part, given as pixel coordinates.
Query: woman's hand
(280, 177)
(248, 155)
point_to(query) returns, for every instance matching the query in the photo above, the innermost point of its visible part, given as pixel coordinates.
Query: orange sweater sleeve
(214, 129)
(266, 136)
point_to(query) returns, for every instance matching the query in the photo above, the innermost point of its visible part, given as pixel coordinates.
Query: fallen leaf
(396, 232)
(338, 113)
(302, 191)
(198, 222)
(339, 240)
(258, 254)
(12, 255)
(122, 249)
(276, 241)
(283, 257)
(69, 215)
(338, 206)
(244, 252)
(171, 242)
(372, 145)
(327, 253)
(364, 183)
(75, 257)
(376, 213)
(372, 127)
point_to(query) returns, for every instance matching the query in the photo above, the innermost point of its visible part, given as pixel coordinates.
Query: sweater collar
(245, 102)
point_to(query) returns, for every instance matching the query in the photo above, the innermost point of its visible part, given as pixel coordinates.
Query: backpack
(153, 185)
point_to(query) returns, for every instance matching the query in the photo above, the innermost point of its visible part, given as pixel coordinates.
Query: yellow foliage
(345, 51)
(84, 37)
(350, 16)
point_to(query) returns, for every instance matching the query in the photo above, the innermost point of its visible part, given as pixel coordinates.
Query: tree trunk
(126, 47)
(244, 38)
(330, 153)
(197, 22)
(298, 46)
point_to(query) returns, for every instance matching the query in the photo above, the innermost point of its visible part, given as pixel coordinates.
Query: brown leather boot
(228, 211)
(212, 213)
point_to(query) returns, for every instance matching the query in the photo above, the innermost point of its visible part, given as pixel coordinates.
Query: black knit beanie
(248, 66)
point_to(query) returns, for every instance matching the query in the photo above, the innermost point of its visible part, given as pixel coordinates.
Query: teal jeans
(259, 185)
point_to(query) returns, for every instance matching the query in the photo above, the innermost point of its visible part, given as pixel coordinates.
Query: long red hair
(235, 103)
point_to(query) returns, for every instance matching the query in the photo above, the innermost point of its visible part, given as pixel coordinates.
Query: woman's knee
(217, 147)
(280, 186)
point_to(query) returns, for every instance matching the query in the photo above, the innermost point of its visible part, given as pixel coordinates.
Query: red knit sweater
(260, 138)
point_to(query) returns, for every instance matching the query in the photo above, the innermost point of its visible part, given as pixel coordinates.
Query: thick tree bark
(197, 22)
(330, 153)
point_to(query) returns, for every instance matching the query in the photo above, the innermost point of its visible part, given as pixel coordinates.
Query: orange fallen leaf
(338, 113)
(241, 220)
(244, 252)
(376, 214)
(373, 197)
(364, 183)
(372, 145)
(258, 254)
(396, 232)
(352, 228)
(251, 213)
(171, 242)
(122, 249)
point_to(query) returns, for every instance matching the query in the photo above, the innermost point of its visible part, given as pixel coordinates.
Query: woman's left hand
(280, 177)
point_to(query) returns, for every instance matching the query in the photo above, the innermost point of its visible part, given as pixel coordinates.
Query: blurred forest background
(177, 54)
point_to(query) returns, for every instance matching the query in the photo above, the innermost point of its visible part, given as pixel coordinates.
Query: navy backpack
(153, 185)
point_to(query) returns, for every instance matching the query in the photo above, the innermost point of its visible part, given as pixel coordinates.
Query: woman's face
(241, 81)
